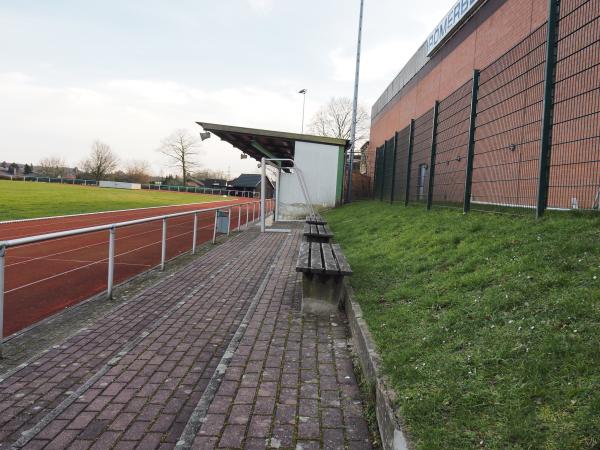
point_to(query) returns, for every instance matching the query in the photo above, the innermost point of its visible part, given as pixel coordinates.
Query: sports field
(21, 200)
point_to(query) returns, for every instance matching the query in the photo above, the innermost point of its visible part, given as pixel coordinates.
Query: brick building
(506, 41)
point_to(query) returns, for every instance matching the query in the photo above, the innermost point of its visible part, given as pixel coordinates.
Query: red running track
(46, 277)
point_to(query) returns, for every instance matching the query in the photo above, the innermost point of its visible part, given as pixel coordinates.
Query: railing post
(163, 251)
(111, 261)
(195, 233)
(436, 110)
(548, 108)
(247, 215)
(471, 143)
(239, 227)
(394, 166)
(228, 221)
(2, 257)
(215, 227)
(409, 160)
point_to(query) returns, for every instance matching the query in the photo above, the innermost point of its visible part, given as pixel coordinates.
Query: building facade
(421, 124)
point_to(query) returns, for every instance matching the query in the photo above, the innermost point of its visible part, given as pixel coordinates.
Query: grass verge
(20, 200)
(488, 325)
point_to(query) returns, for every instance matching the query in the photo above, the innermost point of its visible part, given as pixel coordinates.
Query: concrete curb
(390, 426)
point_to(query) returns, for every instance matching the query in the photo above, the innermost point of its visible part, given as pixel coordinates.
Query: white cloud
(379, 63)
(261, 5)
(132, 116)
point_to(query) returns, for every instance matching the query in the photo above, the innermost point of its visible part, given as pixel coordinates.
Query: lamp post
(355, 104)
(303, 92)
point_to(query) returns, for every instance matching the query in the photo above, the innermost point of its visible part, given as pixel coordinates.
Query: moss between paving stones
(488, 325)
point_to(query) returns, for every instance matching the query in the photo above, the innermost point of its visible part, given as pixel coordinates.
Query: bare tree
(210, 173)
(101, 162)
(181, 148)
(53, 166)
(137, 171)
(334, 119)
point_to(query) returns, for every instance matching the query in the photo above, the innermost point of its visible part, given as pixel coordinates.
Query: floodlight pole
(355, 104)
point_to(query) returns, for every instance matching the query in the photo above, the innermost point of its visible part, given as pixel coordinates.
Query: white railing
(250, 208)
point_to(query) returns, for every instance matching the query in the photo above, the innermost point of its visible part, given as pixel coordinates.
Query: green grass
(19, 200)
(488, 325)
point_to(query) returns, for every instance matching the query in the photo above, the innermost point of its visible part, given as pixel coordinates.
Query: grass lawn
(488, 325)
(21, 200)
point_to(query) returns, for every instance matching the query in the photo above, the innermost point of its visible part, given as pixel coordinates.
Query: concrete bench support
(321, 294)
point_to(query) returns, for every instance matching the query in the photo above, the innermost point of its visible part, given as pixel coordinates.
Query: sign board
(119, 185)
(458, 12)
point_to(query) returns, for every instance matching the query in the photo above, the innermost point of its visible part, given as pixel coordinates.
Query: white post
(163, 252)
(247, 215)
(263, 184)
(2, 256)
(276, 215)
(228, 221)
(215, 227)
(253, 212)
(111, 262)
(239, 227)
(194, 234)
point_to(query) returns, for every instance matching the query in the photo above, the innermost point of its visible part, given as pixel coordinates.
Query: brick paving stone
(289, 384)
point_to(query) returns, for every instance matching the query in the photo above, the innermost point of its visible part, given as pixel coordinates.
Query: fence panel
(575, 154)
(388, 170)
(507, 137)
(379, 153)
(402, 143)
(452, 139)
(421, 156)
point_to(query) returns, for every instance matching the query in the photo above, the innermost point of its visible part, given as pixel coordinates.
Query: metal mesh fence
(524, 133)
(452, 138)
(508, 126)
(378, 190)
(401, 166)
(421, 157)
(388, 169)
(575, 154)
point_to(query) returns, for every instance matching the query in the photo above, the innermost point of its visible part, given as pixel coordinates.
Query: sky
(130, 72)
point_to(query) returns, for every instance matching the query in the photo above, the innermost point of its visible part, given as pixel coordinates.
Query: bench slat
(303, 262)
(316, 263)
(331, 265)
(341, 259)
(316, 219)
(327, 232)
(306, 231)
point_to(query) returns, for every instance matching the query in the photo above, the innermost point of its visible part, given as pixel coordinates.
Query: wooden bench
(317, 233)
(323, 267)
(315, 219)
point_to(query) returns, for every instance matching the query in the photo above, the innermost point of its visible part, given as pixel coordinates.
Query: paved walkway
(216, 355)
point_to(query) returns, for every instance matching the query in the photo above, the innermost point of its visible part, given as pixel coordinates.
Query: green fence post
(548, 107)
(409, 161)
(471, 143)
(394, 166)
(436, 109)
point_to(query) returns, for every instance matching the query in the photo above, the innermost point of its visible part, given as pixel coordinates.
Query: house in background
(214, 183)
(250, 182)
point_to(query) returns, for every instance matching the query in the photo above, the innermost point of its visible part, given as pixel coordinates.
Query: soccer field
(20, 200)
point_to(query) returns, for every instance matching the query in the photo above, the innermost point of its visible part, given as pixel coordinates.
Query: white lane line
(182, 205)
